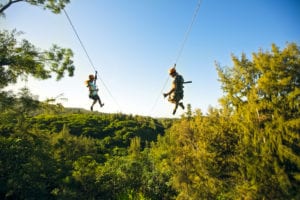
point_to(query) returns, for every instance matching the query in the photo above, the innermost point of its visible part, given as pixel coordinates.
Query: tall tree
(263, 96)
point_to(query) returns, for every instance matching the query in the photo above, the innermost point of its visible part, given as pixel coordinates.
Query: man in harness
(91, 84)
(176, 92)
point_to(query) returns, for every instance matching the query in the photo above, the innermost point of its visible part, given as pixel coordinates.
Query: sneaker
(101, 105)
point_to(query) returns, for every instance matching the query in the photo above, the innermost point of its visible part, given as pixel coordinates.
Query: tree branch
(10, 2)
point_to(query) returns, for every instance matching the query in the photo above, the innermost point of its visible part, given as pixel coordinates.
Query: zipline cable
(187, 33)
(81, 43)
(89, 59)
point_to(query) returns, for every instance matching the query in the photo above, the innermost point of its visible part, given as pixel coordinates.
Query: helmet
(172, 70)
(91, 76)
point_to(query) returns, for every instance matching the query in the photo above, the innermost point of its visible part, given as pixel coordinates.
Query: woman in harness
(91, 84)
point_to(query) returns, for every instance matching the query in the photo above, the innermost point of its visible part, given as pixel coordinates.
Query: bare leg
(94, 102)
(176, 106)
(99, 100)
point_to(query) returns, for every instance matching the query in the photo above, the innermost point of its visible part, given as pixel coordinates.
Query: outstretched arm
(96, 76)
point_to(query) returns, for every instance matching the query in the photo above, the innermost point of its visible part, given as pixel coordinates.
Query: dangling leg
(176, 106)
(99, 100)
(181, 105)
(94, 102)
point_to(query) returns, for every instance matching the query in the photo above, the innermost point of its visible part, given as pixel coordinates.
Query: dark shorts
(94, 97)
(175, 98)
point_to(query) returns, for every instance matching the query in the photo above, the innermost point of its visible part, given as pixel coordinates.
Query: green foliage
(114, 130)
(28, 170)
(20, 59)
(15, 109)
(263, 96)
(54, 5)
(198, 154)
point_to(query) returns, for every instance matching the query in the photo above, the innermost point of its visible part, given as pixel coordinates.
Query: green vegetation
(68, 155)
(247, 149)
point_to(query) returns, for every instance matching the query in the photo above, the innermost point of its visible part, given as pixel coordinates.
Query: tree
(247, 149)
(23, 58)
(263, 96)
(84, 173)
(198, 153)
(54, 5)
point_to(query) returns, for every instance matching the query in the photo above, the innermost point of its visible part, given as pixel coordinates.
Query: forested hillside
(52, 155)
(249, 148)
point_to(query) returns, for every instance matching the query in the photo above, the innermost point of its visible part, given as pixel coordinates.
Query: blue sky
(133, 43)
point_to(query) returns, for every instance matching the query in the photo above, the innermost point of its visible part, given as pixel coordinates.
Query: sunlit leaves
(54, 5)
(265, 111)
(21, 58)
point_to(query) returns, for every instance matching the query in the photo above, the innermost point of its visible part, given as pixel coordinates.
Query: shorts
(94, 97)
(175, 97)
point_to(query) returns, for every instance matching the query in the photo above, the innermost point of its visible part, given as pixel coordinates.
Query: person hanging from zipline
(91, 84)
(176, 92)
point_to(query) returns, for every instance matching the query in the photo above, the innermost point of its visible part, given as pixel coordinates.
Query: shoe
(101, 105)
(91, 108)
